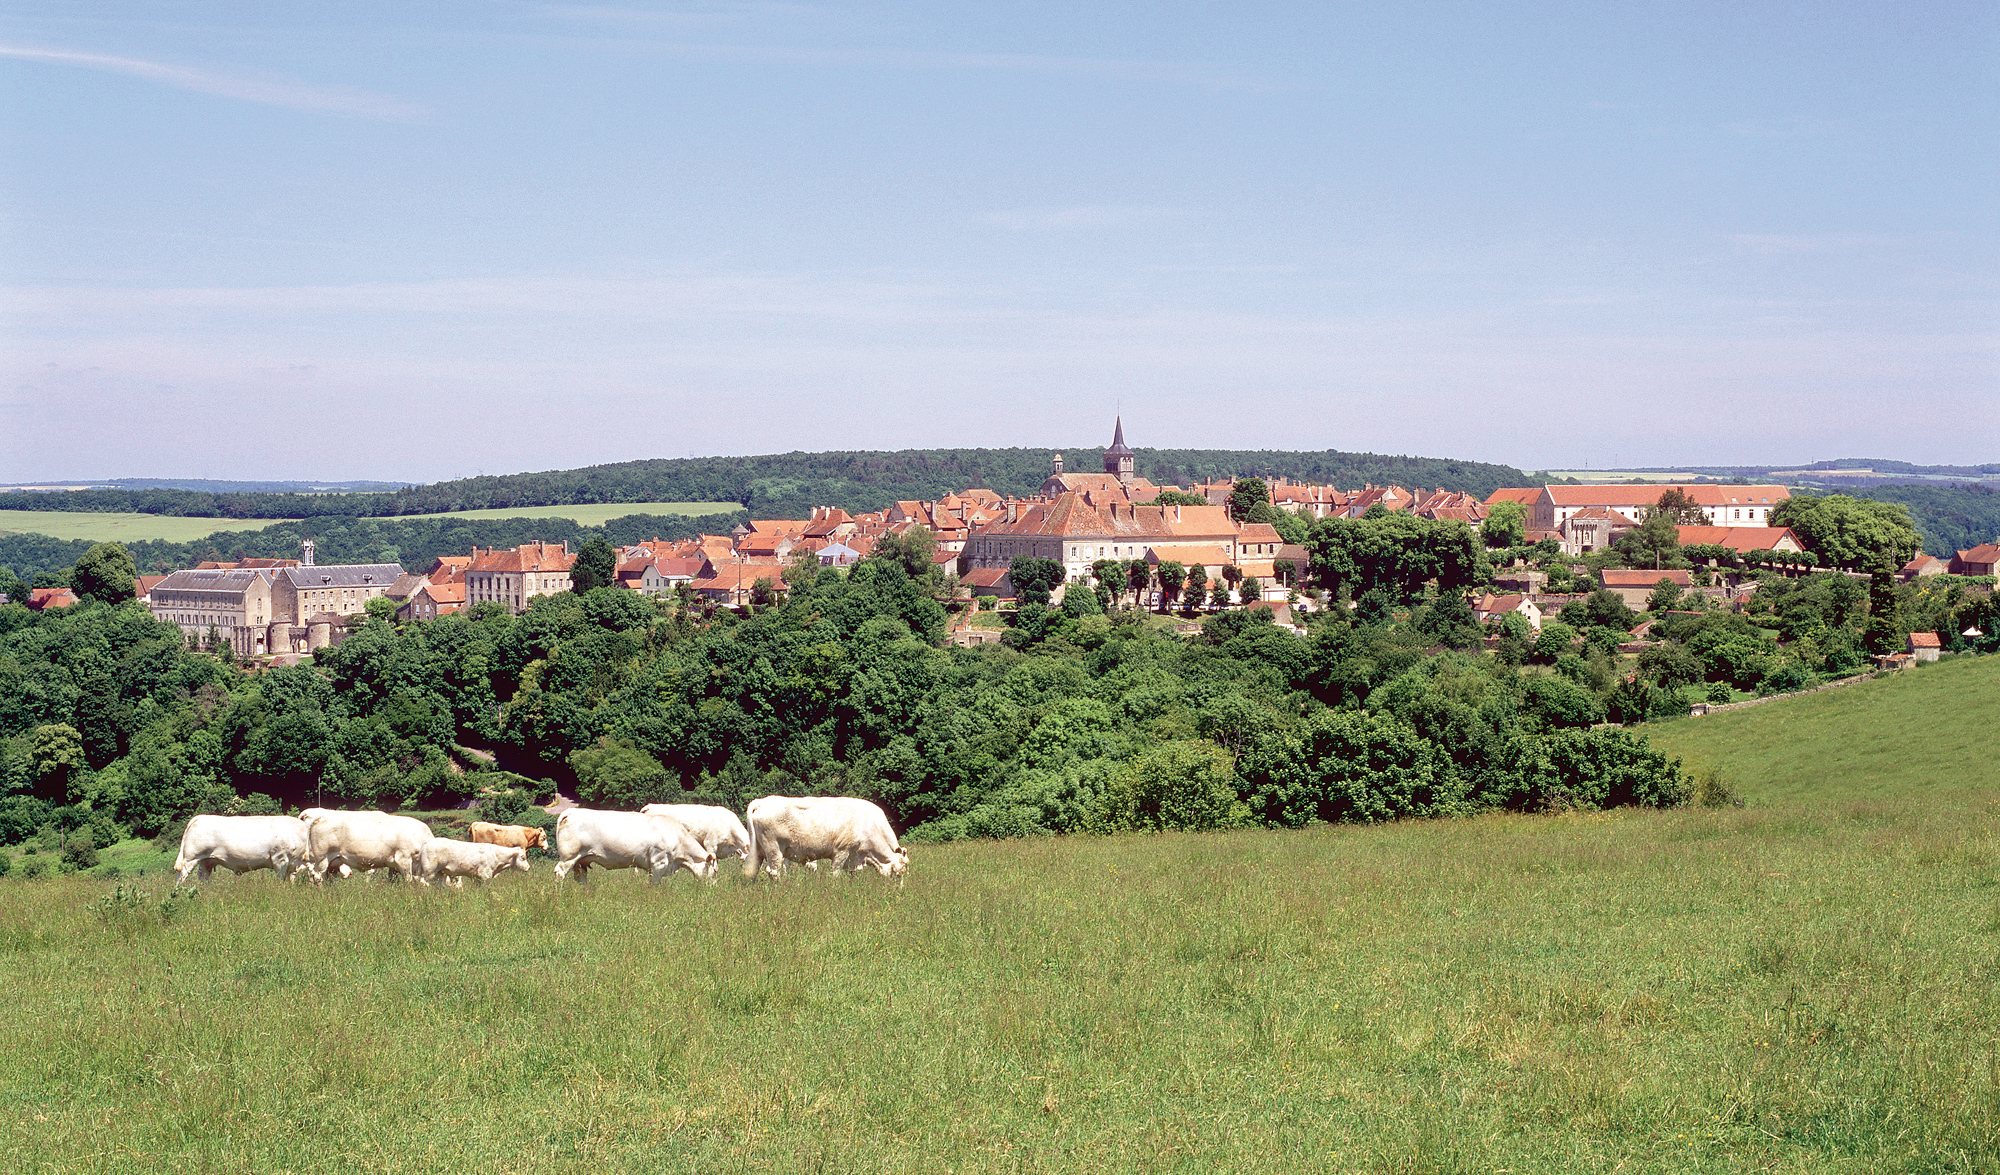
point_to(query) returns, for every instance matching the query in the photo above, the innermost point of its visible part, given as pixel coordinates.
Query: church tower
(1118, 458)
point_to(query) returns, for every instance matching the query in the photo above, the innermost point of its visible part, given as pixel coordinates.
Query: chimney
(1013, 510)
(306, 550)
(1177, 511)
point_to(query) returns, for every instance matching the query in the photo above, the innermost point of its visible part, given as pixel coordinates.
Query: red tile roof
(1737, 538)
(1925, 640)
(1649, 495)
(1635, 579)
(526, 557)
(1525, 495)
(43, 598)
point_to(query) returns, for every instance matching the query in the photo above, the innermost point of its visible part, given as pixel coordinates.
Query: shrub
(1711, 790)
(505, 806)
(6, 864)
(1181, 785)
(80, 851)
(34, 866)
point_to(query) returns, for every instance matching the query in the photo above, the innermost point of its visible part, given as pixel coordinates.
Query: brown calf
(514, 836)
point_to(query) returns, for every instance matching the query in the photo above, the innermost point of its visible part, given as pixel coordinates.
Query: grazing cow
(718, 829)
(456, 860)
(627, 840)
(851, 833)
(513, 836)
(362, 841)
(241, 844)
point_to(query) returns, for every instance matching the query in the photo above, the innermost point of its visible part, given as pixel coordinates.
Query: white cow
(456, 860)
(851, 833)
(627, 840)
(718, 829)
(241, 844)
(362, 841)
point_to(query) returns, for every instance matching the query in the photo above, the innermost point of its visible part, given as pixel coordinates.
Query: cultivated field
(1804, 984)
(594, 514)
(122, 528)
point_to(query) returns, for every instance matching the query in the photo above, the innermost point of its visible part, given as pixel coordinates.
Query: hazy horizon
(375, 243)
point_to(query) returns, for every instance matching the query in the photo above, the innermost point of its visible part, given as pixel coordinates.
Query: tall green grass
(1803, 984)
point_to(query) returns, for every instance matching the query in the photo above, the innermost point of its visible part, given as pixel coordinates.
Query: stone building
(515, 575)
(274, 607)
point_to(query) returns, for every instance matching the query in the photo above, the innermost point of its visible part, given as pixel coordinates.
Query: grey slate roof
(210, 581)
(343, 575)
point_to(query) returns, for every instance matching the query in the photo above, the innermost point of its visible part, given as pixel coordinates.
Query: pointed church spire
(1118, 458)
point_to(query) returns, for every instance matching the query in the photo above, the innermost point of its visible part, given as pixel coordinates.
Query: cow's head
(703, 866)
(537, 839)
(517, 859)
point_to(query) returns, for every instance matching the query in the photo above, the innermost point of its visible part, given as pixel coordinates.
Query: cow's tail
(750, 858)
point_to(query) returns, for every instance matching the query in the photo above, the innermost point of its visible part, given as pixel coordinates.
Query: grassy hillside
(1803, 984)
(123, 528)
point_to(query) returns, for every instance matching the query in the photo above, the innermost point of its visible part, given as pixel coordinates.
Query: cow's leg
(204, 870)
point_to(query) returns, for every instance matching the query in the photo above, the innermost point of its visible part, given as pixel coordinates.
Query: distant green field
(124, 528)
(1804, 984)
(596, 514)
(1617, 475)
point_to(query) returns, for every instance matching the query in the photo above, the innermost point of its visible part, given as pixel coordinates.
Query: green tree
(1034, 580)
(1678, 505)
(56, 752)
(104, 574)
(1247, 498)
(1665, 598)
(1172, 576)
(1195, 594)
(615, 773)
(596, 566)
(1138, 577)
(912, 549)
(1883, 633)
(1506, 525)
(1654, 543)
(1218, 594)
(1851, 532)
(1172, 497)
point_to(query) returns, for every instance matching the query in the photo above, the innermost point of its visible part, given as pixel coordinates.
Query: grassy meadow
(121, 528)
(1806, 983)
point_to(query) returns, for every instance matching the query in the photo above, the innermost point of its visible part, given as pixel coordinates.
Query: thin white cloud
(265, 91)
(1083, 216)
(1112, 67)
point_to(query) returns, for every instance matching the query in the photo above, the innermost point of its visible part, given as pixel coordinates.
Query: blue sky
(418, 241)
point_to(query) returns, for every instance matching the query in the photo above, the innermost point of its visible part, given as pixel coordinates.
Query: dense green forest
(788, 485)
(1089, 717)
(1951, 517)
(413, 542)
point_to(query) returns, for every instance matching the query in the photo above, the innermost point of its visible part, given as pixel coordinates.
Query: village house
(1490, 608)
(1924, 646)
(734, 585)
(433, 600)
(1923, 565)
(1635, 587)
(42, 599)
(1741, 539)
(1724, 505)
(512, 576)
(1979, 560)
